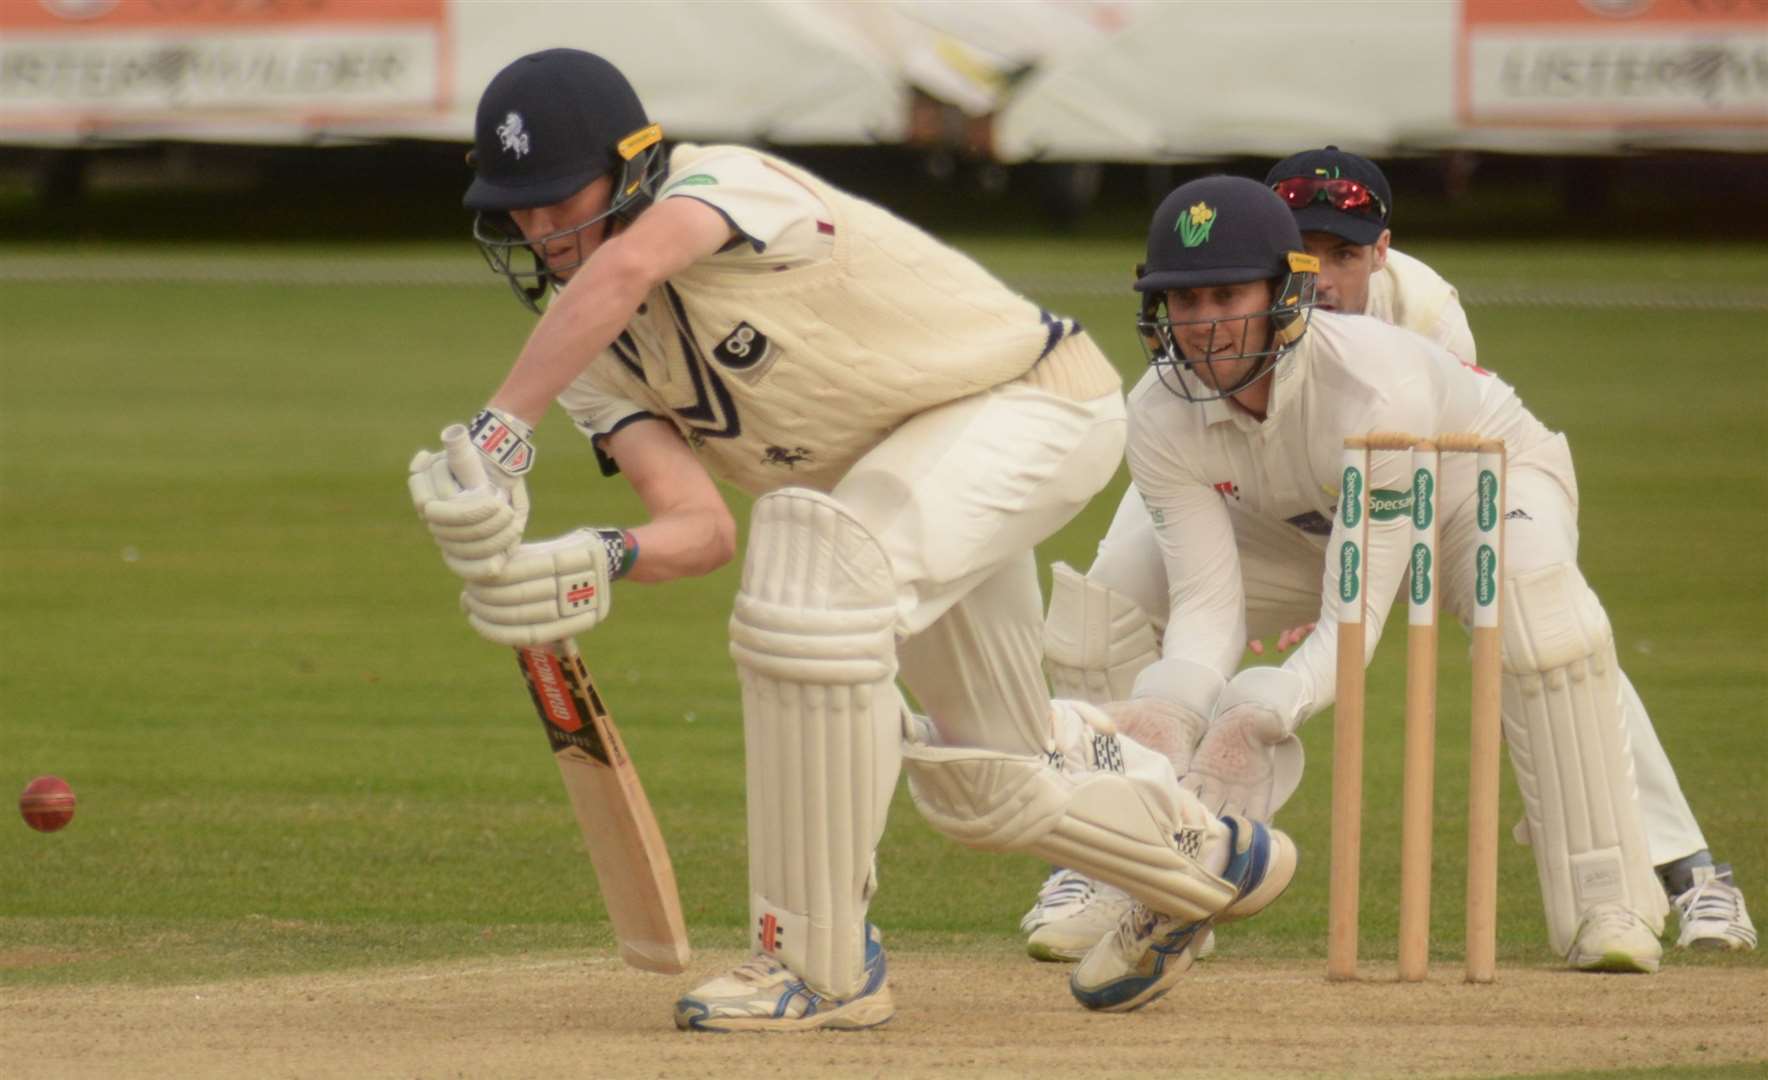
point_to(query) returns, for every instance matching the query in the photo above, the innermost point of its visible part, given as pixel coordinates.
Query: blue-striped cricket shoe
(1142, 959)
(762, 994)
(1713, 914)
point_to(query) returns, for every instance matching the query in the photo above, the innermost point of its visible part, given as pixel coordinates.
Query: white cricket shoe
(1062, 894)
(762, 994)
(1065, 934)
(1144, 957)
(1611, 938)
(1712, 913)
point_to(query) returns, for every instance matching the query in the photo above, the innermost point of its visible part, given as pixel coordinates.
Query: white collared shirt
(1408, 293)
(1349, 374)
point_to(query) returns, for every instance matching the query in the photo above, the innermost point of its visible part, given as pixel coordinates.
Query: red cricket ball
(47, 803)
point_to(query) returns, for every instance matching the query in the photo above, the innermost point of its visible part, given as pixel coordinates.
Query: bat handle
(463, 458)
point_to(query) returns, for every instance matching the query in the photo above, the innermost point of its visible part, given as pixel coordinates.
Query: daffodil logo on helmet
(1194, 225)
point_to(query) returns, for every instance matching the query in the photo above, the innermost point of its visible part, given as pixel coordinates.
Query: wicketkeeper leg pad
(813, 637)
(1096, 639)
(1133, 828)
(1570, 748)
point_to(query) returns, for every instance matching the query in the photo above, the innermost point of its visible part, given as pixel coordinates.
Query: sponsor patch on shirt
(743, 348)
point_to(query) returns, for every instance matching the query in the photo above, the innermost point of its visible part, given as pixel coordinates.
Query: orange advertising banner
(1719, 13)
(1618, 64)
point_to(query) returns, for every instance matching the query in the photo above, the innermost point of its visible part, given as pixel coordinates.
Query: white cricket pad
(1132, 828)
(1096, 639)
(813, 635)
(1570, 748)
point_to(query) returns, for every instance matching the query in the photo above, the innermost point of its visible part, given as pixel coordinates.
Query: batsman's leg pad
(1096, 639)
(1132, 828)
(1570, 748)
(814, 640)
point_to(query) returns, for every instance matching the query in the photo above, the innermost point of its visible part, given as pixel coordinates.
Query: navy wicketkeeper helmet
(1223, 230)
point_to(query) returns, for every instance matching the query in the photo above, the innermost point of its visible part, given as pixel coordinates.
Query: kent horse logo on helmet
(511, 135)
(1194, 225)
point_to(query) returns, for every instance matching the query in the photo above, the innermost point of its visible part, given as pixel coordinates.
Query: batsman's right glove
(550, 590)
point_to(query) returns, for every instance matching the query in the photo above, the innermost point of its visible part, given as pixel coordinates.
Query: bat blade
(619, 830)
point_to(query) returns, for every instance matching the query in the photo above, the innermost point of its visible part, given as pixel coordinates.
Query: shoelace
(1613, 917)
(1711, 899)
(1136, 924)
(757, 969)
(1064, 888)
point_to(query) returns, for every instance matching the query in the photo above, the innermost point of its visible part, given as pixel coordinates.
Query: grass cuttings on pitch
(220, 622)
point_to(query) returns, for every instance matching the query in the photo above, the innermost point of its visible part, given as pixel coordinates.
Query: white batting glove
(471, 495)
(1250, 761)
(550, 590)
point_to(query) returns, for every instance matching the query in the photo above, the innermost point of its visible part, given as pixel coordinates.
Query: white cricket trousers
(959, 497)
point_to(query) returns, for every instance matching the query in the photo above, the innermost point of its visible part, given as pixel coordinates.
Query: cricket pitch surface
(958, 1013)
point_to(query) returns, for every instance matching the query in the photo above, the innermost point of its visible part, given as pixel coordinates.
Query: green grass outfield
(220, 621)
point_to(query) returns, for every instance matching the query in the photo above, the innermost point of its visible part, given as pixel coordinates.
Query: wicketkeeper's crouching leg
(813, 637)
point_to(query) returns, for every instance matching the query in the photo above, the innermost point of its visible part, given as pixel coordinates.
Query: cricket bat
(631, 863)
(619, 830)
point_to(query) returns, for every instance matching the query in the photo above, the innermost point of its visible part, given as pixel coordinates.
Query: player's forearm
(685, 544)
(583, 320)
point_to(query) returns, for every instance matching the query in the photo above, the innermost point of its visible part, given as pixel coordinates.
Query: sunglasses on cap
(1347, 195)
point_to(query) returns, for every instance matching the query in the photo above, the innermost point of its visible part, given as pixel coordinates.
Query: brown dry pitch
(958, 1014)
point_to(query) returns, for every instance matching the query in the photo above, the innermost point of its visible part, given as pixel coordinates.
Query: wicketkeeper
(1344, 205)
(1239, 423)
(911, 429)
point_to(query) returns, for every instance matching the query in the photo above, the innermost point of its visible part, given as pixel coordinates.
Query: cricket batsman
(910, 429)
(1240, 421)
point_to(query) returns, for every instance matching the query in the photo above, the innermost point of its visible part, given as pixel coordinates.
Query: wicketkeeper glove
(1168, 709)
(1250, 762)
(550, 590)
(471, 495)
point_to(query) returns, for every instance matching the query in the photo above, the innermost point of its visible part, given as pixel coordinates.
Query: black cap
(548, 124)
(1220, 230)
(1333, 163)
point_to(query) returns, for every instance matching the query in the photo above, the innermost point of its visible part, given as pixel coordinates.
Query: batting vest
(788, 377)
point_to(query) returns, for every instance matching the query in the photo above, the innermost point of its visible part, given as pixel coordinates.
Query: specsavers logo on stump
(1350, 500)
